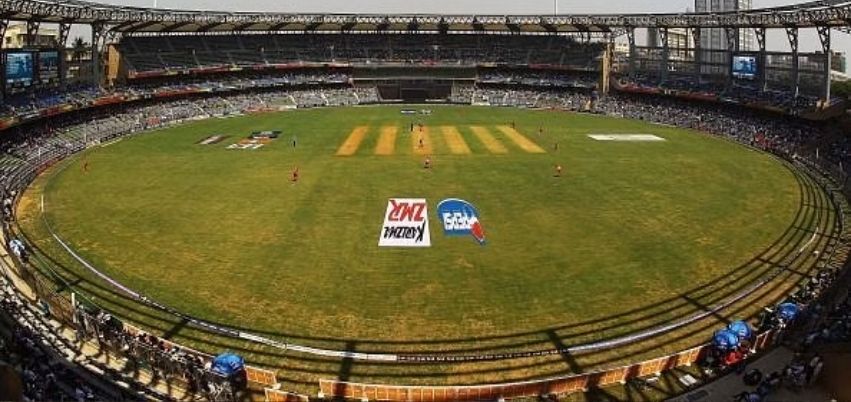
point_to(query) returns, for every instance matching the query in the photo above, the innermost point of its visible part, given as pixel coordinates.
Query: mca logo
(460, 218)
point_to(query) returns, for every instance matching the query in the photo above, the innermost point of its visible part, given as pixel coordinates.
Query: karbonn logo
(405, 224)
(405, 232)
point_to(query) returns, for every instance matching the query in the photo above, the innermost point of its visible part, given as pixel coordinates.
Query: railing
(558, 385)
(185, 368)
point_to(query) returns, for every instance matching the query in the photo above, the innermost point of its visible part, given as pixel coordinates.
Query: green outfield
(633, 235)
(225, 235)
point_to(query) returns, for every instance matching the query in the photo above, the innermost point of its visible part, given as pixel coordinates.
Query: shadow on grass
(701, 298)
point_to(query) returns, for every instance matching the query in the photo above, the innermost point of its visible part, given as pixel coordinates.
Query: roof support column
(698, 52)
(762, 59)
(732, 35)
(608, 58)
(64, 32)
(792, 35)
(666, 54)
(824, 37)
(98, 34)
(4, 23)
(32, 33)
(633, 54)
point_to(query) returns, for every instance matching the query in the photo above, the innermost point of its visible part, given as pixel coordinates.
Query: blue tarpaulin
(741, 328)
(228, 364)
(787, 311)
(725, 340)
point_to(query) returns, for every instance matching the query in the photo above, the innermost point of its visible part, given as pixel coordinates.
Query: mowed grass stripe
(455, 141)
(488, 140)
(426, 148)
(387, 141)
(521, 140)
(353, 141)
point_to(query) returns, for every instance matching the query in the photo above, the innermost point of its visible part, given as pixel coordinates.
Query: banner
(405, 224)
(460, 218)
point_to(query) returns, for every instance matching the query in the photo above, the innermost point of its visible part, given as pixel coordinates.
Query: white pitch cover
(626, 137)
(405, 224)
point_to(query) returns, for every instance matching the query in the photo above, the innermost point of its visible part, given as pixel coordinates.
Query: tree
(79, 47)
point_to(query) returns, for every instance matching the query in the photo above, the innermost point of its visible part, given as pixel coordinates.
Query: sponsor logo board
(460, 218)
(405, 224)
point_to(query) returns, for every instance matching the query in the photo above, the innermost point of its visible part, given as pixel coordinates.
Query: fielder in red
(295, 175)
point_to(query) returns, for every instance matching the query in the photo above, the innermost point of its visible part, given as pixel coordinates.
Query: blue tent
(725, 340)
(741, 328)
(787, 311)
(228, 364)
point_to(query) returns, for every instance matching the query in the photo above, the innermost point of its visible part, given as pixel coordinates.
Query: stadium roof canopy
(124, 19)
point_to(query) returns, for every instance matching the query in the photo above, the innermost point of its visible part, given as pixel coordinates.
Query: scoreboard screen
(48, 66)
(744, 67)
(19, 69)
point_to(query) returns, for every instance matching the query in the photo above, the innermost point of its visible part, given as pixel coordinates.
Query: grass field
(226, 236)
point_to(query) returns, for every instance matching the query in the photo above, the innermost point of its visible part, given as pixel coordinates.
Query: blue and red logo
(460, 218)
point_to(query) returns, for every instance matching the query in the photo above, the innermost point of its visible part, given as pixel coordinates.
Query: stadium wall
(553, 386)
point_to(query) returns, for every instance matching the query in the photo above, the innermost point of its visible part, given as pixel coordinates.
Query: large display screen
(19, 69)
(48, 66)
(744, 67)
